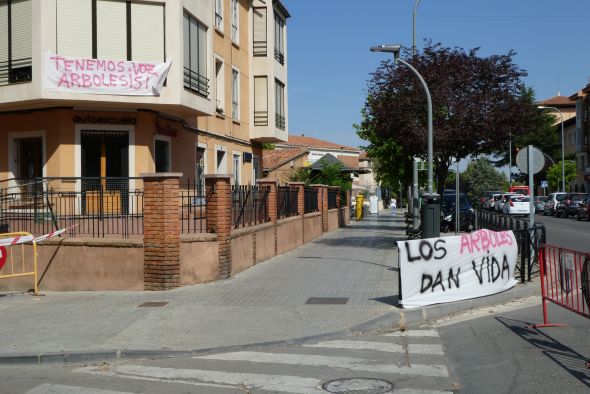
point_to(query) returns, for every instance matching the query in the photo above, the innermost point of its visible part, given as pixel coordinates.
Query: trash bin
(359, 207)
(431, 216)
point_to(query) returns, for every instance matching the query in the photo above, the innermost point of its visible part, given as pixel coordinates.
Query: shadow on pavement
(389, 268)
(564, 356)
(388, 300)
(372, 242)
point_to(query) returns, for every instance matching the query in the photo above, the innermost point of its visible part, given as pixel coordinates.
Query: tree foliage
(480, 176)
(478, 102)
(331, 174)
(554, 174)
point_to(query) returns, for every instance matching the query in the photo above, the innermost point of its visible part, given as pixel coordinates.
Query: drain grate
(327, 301)
(153, 304)
(358, 386)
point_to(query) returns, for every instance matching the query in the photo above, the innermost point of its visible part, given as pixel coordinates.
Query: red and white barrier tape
(29, 238)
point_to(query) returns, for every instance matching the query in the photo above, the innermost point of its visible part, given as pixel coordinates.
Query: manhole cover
(327, 300)
(153, 304)
(358, 386)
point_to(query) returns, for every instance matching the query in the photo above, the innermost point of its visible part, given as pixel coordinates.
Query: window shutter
(260, 94)
(259, 24)
(194, 50)
(186, 41)
(22, 30)
(111, 29)
(74, 28)
(3, 37)
(202, 50)
(147, 32)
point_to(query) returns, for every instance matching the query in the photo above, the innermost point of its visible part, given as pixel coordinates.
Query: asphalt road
(567, 232)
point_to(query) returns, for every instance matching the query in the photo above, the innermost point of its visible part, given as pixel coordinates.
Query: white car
(517, 205)
(489, 203)
(500, 200)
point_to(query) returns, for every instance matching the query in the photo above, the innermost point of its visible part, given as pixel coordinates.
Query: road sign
(538, 160)
(2, 256)
(544, 184)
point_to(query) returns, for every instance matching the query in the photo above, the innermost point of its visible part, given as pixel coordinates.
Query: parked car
(570, 204)
(486, 197)
(490, 202)
(551, 204)
(540, 203)
(448, 213)
(583, 211)
(501, 201)
(517, 205)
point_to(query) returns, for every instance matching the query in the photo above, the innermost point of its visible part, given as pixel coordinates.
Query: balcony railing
(260, 118)
(20, 70)
(195, 82)
(280, 122)
(279, 56)
(260, 48)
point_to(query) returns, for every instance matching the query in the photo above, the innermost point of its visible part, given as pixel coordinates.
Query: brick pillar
(323, 204)
(218, 218)
(272, 206)
(300, 196)
(161, 221)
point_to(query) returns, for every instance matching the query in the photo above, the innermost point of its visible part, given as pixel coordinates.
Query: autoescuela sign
(446, 269)
(104, 76)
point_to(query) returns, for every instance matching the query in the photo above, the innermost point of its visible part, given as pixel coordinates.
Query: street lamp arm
(429, 105)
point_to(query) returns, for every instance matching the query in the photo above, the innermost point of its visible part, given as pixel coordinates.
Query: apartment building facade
(582, 100)
(113, 88)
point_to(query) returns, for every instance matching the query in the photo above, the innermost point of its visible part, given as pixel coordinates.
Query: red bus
(520, 190)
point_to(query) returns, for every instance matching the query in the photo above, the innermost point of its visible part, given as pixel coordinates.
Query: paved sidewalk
(266, 303)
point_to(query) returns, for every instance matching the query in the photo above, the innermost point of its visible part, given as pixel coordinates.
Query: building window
(15, 41)
(261, 101)
(107, 29)
(195, 56)
(201, 168)
(219, 14)
(279, 39)
(235, 22)
(260, 41)
(162, 154)
(221, 161)
(236, 168)
(279, 105)
(219, 87)
(235, 111)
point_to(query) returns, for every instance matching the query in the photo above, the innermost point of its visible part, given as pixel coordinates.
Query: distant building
(582, 182)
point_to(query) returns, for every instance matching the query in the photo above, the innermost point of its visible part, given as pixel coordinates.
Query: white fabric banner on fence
(445, 269)
(104, 76)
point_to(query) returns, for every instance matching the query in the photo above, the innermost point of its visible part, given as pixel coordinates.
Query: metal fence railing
(287, 198)
(332, 198)
(249, 205)
(99, 207)
(310, 200)
(343, 199)
(529, 240)
(193, 207)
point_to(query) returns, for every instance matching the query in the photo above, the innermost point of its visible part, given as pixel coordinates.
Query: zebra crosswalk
(412, 361)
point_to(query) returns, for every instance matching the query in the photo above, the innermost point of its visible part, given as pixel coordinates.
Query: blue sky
(330, 62)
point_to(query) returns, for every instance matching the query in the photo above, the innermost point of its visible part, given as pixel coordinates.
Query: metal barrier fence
(287, 198)
(565, 280)
(529, 240)
(100, 207)
(193, 207)
(332, 198)
(14, 264)
(310, 201)
(249, 205)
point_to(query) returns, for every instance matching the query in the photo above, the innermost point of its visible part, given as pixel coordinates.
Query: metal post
(416, 202)
(414, 28)
(457, 208)
(510, 161)
(531, 187)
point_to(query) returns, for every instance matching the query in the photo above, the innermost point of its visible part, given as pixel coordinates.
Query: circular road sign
(538, 160)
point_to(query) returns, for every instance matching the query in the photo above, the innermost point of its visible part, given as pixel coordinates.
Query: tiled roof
(272, 159)
(560, 101)
(301, 140)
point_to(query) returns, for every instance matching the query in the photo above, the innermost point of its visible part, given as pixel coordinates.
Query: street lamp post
(431, 197)
(414, 28)
(562, 145)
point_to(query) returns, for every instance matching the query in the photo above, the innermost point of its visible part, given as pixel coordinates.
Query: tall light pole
(395, 49)
(414, 28)
(562, 145)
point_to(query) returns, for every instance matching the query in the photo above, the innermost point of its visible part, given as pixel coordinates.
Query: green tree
(331, 174)
(478, 102)
(480, 176)
(554, 174)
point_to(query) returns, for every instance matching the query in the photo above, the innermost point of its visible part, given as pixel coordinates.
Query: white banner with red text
(445, 269)
(104, 76)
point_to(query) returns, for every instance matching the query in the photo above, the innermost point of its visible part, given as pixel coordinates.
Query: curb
(391, 321)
